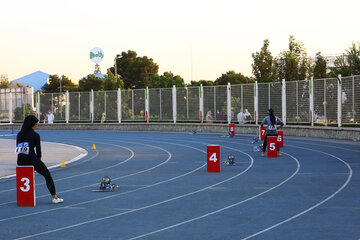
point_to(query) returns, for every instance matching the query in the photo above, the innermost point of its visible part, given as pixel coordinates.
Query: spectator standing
(50, 117)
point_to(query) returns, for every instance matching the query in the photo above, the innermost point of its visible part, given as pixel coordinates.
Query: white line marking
(83, 154)
(113, 195)
(222, 209)
(152, 205)
(314, 206)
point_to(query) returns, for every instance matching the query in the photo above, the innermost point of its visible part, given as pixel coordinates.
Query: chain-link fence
(297, 102)
(242, 99)
(351, 100)
(15, 104)
(161, 103)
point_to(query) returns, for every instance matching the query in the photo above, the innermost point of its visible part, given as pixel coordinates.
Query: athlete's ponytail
(272, 116)
(29, 122)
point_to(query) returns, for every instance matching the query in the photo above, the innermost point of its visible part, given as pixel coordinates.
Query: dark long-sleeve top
(271, 129)
(33, 139)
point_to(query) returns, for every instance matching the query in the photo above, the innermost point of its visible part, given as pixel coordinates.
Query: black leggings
(41, 168)
(265, 141)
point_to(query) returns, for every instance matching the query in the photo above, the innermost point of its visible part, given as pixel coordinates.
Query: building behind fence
(296, 102)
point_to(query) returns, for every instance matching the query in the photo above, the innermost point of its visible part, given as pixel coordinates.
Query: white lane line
(95, 184)
(83, 154)
(314, 206)
(152, 205)
(332, 146)
(73, 189)
(40, 184)
(221, 209)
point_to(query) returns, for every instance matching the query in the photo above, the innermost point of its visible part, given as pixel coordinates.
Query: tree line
(136, 72)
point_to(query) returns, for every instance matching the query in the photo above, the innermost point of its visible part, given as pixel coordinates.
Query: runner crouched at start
(272, 123)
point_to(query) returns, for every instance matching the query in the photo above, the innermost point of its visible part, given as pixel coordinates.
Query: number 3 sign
(213, 158)
(25, 186)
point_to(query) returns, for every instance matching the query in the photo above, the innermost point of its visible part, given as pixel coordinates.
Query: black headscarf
(29, 122)
(272, 116)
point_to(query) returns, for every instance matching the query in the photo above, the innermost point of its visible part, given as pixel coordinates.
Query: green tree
(320, 67)
(91, 82)
(135, 71)
(167, 80)
(263, 63)
(4, 82)
(53, 84)
(349, 63)
(292, 64)
(231, 77)
(353, 59)
(203, 82)
(21, 112)
(111, 83)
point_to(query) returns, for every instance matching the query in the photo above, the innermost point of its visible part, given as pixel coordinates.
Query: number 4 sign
(213, 158)
(25, 186)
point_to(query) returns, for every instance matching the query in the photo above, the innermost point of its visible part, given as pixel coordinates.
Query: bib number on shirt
(22, 148)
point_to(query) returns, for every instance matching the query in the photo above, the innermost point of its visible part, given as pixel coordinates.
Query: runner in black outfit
(271, 122)
(29, 136)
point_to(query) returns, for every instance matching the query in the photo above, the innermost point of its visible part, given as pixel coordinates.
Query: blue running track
(312, 192)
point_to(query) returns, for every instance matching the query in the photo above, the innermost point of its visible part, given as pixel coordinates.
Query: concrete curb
(343, 133)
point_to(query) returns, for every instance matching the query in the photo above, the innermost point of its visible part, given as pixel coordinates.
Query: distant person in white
(247, 114)
(50, 117)
(241, 117)
(208, 117)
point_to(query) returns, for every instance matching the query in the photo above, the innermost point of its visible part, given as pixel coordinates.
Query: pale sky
(57, 36)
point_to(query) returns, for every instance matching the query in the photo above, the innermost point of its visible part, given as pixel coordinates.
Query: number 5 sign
(25, 186)
(213, 158)
(271, 146)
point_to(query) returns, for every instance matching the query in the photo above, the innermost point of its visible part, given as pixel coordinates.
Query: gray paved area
(53, 154)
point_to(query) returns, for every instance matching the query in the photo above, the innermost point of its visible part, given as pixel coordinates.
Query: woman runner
(272, 122)
(28, 137)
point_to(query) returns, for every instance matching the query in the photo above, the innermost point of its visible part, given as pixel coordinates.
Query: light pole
(116, 77)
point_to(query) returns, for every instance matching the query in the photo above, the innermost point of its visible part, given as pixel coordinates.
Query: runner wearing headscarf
(28, 137)
(273, 124)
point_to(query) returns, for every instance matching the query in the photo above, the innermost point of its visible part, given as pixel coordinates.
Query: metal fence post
(92, 106)
(119, 105)
(229, 103)
(147, 104)
(283, 99)
(132, 104)
(339, 101)
(67, 107)
(10, 107)
(201, 101)
(32, 98)
(256, 102)
(38, 105)
(174, 103)
(311, 100)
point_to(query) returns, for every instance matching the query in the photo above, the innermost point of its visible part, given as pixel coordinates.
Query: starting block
(262, 133)
(213, 158)
(272, 146)
(280, 139)
(232, 129)
(25, 186)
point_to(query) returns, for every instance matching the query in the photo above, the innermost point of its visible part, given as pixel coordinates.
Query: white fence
(334, 101)
(15, 104)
